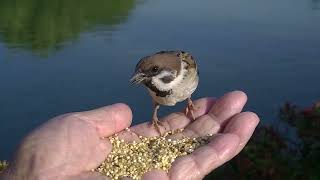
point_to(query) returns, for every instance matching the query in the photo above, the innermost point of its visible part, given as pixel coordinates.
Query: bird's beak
(138, 77)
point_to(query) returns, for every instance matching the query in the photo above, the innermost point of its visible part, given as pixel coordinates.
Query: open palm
(69, 146)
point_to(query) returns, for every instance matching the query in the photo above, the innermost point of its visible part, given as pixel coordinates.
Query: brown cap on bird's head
(150, 66)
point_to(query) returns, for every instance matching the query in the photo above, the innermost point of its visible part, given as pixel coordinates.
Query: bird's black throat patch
(156, 90)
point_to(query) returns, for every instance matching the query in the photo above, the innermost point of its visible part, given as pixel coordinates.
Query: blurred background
(73, 55)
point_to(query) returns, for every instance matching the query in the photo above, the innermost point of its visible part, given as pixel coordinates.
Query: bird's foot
(190, 109)
(156, 124)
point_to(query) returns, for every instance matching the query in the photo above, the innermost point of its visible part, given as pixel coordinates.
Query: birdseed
(136, 158)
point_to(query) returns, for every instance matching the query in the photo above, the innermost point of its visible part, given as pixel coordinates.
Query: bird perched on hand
(170, 77)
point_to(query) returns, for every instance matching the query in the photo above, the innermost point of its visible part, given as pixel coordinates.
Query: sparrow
(170, 77)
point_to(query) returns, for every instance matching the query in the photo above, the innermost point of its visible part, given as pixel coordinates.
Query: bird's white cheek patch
(159, 83)
(164, 74)
(168, 86)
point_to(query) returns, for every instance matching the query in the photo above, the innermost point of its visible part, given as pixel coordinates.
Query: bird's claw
(190, 109)
(156, 124)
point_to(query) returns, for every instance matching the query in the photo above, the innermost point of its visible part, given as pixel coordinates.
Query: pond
(72, 55)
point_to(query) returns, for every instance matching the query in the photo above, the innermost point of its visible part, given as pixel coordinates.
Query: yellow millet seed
(136, 158)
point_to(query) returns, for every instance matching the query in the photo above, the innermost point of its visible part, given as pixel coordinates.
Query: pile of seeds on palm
(136, 158)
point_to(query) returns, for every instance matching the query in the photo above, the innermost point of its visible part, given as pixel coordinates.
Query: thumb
(110, 119)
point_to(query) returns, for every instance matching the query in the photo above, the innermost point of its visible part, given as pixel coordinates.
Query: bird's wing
(189, 59)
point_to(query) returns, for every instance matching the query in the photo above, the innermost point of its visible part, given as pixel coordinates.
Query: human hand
(222, 117)
(69, 146)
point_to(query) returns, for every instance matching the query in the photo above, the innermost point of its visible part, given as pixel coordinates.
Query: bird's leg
(190, 108)
(155, 120)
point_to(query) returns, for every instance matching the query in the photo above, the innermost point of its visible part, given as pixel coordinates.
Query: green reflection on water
(43, 25)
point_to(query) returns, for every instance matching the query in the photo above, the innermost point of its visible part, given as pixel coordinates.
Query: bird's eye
(155, 69)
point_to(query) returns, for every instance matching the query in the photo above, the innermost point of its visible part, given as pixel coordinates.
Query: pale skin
(69, 146)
